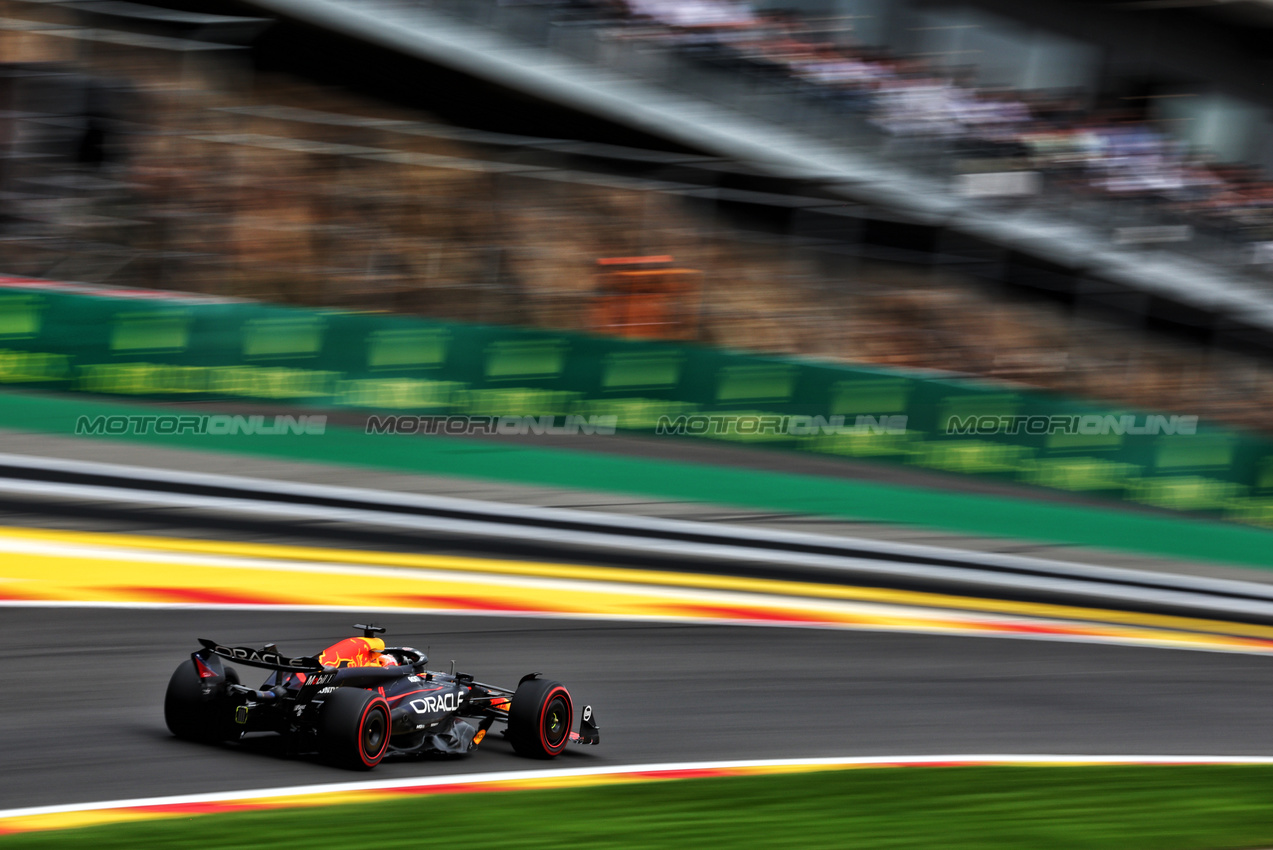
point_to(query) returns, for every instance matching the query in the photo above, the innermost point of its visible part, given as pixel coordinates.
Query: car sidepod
(425, 716)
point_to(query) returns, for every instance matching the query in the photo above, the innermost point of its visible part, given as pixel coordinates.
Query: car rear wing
(269, 658)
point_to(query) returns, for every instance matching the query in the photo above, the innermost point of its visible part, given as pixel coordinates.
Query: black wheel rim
(556, 722)
(373, 734)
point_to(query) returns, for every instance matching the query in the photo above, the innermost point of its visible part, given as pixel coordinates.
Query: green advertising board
(162, 346)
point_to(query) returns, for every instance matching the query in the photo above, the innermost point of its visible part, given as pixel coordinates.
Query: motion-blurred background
(235, 233)
(1071, 195)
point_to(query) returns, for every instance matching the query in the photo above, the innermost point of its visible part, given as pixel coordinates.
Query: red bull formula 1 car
(360, 701)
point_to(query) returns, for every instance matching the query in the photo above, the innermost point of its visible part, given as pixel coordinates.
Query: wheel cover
(373, 733)
(556, 718)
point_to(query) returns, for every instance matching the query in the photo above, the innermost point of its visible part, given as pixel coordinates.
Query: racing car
(359, 701)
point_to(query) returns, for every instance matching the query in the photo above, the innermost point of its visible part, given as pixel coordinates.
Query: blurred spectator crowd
(1113, 158)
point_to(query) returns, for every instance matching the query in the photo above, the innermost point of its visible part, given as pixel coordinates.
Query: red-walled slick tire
(354, 728)
(540, 719)
(192, 715)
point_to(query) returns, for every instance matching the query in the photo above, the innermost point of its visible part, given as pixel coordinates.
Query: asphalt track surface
(81, 706)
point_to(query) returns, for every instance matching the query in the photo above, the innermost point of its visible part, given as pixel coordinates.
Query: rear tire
(540, 719)
(354, 728)
(189, 714)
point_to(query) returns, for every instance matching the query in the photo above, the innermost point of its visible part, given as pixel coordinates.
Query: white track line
(613, 770)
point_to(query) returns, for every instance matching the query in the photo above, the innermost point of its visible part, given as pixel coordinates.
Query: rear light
(205, 672)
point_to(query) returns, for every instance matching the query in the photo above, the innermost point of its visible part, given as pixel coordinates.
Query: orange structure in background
(646, 297)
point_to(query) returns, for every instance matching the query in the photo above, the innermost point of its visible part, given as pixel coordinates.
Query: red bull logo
(353, 652)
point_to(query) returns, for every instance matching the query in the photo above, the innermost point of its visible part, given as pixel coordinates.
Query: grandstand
(844, 199)
(1111, 205)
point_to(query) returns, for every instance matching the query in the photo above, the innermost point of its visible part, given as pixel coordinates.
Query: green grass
(1115, 807)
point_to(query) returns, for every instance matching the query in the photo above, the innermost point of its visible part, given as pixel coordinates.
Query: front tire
(354, 729)
(540, 719)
